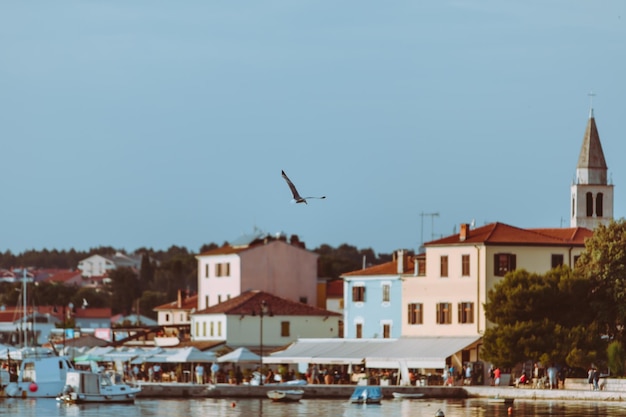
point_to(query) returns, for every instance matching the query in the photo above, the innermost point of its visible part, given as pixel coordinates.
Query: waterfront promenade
(578, 392)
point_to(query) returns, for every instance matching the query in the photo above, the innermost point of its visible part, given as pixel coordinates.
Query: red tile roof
(187, 303)
(249, 303)
(225, 250)
(504, 234)
(64, 276)
(334, 289)
(388, 268)
(93, 313)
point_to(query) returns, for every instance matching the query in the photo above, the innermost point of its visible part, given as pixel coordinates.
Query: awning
(327, 351)
(419, 352)
(415, 352)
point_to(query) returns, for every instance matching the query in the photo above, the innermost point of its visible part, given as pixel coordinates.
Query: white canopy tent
(240, 355)
(403, 353)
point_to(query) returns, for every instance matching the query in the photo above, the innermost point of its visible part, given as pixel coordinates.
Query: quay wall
(575, 390)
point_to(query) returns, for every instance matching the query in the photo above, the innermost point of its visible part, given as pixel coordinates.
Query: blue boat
(367, 394)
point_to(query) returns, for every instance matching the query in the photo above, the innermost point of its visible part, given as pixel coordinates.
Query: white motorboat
(40, 373)
(92, 387)
(407, 395)
(287, 395)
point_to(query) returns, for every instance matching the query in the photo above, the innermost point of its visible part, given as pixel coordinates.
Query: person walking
(496, 376)
(199, 374)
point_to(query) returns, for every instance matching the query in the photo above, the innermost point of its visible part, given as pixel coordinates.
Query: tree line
(161, 276)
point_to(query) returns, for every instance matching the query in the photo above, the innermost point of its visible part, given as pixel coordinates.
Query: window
(421, 265)
(557, 260)
(219, 298)
(359, 330)
(206, 301)
(167, 317)
(358, 293)
(197, 329)
(304, 300)
(503, 263)
(576, 259)
(466, 313)
(416, 315)
(222, 269)
(465, 265)
(386, 330)
(444, 266)
(443, 313)
(589, 204)
(206, 270)
(284, 329)
(212, 329)
(204, 328)
(599, 208)
(181, 317)
(219, 328)
(340, 329)
(386, 293)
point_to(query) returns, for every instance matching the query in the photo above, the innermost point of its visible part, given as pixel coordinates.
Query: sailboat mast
(25, 308)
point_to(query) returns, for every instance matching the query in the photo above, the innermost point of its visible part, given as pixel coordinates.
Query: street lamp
(263, 311)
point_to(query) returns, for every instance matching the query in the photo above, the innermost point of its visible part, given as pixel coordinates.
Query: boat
(501, 400)
(287, 395)
(406, 395)
(39, 373)
(91, 387)
(34, 372)
(367, 394)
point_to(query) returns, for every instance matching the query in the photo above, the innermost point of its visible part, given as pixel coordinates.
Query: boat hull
(91, 387)
(77, 398)
(402, 395)
(367, 395)
(285, 395)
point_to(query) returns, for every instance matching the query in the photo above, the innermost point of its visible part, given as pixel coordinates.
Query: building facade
(257, 318)
(285, 269)
(446, 297)
(373, 300)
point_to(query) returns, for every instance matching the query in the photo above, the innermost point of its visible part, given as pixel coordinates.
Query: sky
(157, 123)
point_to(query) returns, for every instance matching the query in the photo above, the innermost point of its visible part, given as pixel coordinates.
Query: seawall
(182, 390)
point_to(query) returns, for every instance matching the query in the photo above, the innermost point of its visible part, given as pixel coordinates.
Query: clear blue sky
(159, 123)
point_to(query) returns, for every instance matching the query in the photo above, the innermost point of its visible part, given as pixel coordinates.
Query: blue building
(373, 300)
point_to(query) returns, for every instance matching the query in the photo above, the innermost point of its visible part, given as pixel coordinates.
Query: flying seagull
(296, 196)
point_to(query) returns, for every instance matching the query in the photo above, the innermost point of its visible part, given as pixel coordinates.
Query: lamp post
(262, 312)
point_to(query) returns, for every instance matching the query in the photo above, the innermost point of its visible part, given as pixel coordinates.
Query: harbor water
(207, 407)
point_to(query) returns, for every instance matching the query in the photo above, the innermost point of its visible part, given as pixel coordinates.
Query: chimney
(179, 300)
(400, 261)
(464, 234)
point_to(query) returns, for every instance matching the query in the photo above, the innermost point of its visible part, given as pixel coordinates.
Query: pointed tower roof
(591, 168)
(591, 154)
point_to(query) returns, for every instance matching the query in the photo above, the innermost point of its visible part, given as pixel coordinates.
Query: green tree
(124, 290)
(616, 358)
(603, 264)
(541, 317)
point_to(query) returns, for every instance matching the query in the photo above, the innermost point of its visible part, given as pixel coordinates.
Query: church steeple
(591, 167)
(592, 195)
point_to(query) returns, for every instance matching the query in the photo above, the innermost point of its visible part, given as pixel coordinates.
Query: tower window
(589, 205)
(599, 205)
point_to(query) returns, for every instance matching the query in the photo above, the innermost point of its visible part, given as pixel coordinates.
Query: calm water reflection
(313, 408)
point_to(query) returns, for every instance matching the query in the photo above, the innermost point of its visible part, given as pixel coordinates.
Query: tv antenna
(432, 226)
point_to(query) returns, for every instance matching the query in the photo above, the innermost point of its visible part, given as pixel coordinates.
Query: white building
(282, 268)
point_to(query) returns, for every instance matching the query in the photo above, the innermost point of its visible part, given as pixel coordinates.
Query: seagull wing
(296, 196)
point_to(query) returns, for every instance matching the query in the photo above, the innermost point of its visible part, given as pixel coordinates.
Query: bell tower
(591, 194)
